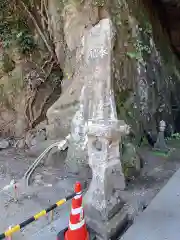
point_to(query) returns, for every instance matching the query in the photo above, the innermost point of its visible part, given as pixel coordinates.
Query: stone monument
(160, 144)
(103, 203)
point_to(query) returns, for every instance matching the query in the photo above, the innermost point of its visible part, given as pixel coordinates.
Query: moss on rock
(131, 162)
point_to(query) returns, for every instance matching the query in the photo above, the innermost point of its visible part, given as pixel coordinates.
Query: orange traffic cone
(77, 227)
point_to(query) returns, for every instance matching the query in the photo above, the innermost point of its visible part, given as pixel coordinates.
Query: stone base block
(106, 230)
(77, 159)
(162, 150)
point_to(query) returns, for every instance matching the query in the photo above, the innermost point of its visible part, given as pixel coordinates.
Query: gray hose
(62, 145)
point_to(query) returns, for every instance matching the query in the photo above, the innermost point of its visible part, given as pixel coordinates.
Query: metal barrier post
(52, 215)
(15, 193)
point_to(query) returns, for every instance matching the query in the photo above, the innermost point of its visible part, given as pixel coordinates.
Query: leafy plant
(134, 55)
(142, 48)
(13, 28)
(174, 136)
(25, 40)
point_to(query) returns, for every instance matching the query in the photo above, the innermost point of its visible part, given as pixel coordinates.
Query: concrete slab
(51, 231)
(161, 219)
(40, 198)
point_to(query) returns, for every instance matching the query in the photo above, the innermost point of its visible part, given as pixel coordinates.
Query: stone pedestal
(103, 204)
(160, 144)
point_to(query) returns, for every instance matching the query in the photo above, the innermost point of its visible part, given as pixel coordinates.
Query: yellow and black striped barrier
(20, 226)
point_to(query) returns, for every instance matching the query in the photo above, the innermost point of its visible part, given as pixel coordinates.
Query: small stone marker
(160, 144)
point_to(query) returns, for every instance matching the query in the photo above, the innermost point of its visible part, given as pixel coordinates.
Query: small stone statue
(160, 144)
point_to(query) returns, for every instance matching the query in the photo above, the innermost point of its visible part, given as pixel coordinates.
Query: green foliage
(174, 136)
(13, 28)
(134, 55)
(142, 44)
(141, 50)
(142, 47)
(25, 40)
(99, 3)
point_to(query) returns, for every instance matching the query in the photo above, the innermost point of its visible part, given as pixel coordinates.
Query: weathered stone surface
(60, 114)
(59, 124)
(36, 150)
(103, 199)
(39, 137)
(74, 26)
(92, 46)
(56, 158)
(103, 202)
(12, 118)
(77, 149)
(4, 144)
(109, 228)
(22, 107)
(160, 144)
(21, 143)
(130, 160)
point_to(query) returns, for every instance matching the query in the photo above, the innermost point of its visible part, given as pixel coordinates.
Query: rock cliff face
(83, 18)
(170, 19)
(138, 69)
(145, 71)
(26, 95)
(76, 20)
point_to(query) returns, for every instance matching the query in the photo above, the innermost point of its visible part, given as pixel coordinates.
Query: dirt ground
(13, 164)
(156, 172)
